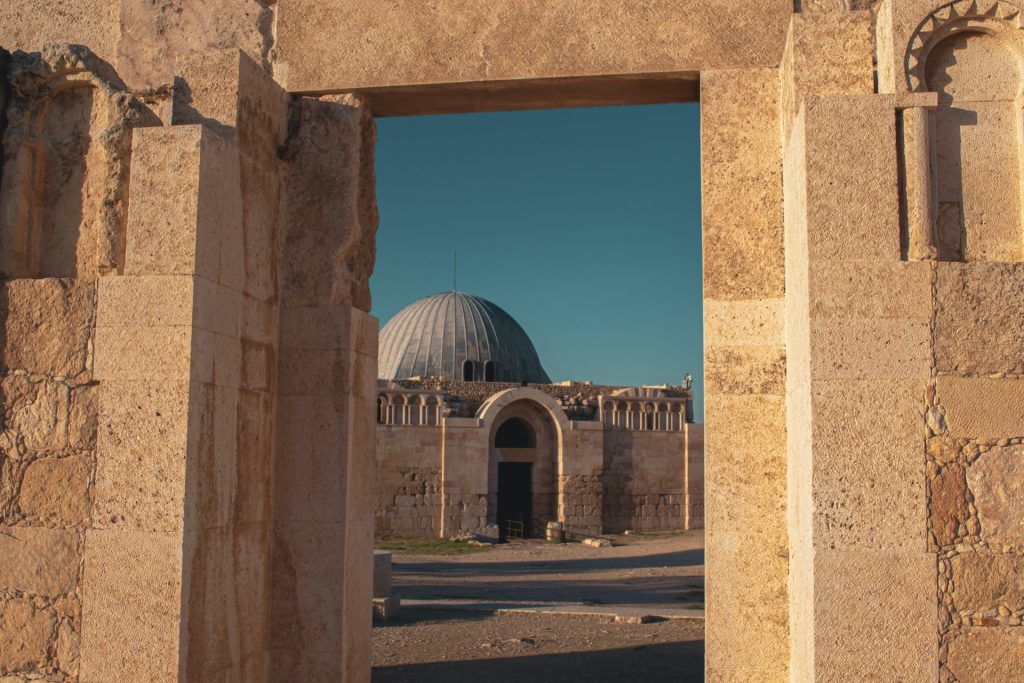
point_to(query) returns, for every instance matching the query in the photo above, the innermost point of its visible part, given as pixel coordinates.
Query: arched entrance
(522, 463)
(516, 441)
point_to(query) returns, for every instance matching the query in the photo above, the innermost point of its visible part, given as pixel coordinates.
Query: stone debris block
(381, 573)
(386, 609)
(635, 619)
(597, 542)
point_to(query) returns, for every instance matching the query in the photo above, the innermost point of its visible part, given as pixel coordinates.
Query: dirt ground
(453, 626)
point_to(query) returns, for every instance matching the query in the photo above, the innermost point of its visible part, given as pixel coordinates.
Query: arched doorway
(514, 508)
(521, 473)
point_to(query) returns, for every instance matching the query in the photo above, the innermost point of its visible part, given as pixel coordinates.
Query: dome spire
(455, 271)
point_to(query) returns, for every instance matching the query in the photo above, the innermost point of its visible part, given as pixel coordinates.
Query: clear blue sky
(583, 224)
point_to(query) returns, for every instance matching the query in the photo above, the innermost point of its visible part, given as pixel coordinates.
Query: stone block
(742, 194)
(47, 326)
(826, 54)
(152, 36)
(37, 414)
(27, 26)
(57, 490)
(983, 582)
(982, 407)
(162, 216)
(750, 594)
(39, 562)
(387, 608)
(870, 289)
(24, 636)
(143, 353)
(978, 655)
(864, 349)
(996, 480)
(744, 323)
(131, 606)
(745, 370)
(507, 40)
(874, 611)
(852, 197)
(308, 566)
(329, 251)
(868, 469)
(310, 487)
(145, 301)
(947, 503)
(979, 307)
(141, 454)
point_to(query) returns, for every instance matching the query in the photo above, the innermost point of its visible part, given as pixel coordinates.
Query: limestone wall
(643, 481)
(408, 484)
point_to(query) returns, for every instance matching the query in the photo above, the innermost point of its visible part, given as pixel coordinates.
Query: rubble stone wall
(974, 416)
(47, 471)
(408, 485)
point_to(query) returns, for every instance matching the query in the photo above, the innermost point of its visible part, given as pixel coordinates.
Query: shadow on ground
(680, 662)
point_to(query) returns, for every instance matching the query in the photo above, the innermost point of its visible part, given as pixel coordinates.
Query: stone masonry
(187, 230)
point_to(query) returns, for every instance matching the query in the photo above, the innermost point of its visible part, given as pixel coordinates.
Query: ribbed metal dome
(458, 336)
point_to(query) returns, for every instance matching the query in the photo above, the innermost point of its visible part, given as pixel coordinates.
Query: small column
(919, 202)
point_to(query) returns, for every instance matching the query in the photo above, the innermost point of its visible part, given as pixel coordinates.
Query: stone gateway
(187, 230)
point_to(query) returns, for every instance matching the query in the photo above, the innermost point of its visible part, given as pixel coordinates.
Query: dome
(460, 337)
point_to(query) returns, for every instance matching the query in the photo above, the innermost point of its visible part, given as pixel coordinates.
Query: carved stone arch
(972, 55)
(994, 17)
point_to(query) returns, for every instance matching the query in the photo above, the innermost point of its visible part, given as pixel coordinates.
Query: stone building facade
(187, 230)
(459, 453)
(600, 463)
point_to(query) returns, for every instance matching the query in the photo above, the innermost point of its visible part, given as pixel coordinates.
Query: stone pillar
(177, 565)
(326, 431)
(745, 374)
(862, 583)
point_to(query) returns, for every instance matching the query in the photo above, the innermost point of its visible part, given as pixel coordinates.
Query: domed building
(473, 438)
(459, 337)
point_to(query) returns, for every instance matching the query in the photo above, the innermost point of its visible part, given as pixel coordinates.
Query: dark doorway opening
(515, 499)
(515, 433)
(467, 371)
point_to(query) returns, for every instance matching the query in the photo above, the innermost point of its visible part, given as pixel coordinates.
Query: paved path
(660, 576)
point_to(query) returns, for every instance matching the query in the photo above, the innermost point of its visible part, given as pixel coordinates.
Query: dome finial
(455, 271)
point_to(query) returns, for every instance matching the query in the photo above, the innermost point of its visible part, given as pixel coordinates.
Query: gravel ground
(425, 645)
(432, 642)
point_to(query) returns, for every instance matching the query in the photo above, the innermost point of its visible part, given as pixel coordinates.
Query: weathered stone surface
(46, 326)
(57, 490)
(868, 473)
(141, 569)
(887, 627)
(27, 25)
(153, 34)
(947, 503)
(745, 370)
(982, 407)
(987, 654)
(141, 455)
(744, 323)
(977, 321)
(38, 561)
(494, 41)
(330, 253)
(741, 196)
(997, 482)
(987, 581)
(24, 636)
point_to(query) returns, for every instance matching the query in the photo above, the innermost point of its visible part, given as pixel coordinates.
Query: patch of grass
(428, 546)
